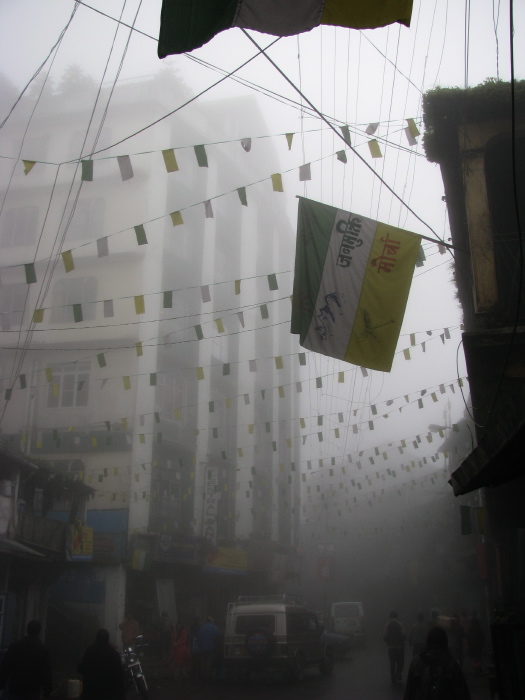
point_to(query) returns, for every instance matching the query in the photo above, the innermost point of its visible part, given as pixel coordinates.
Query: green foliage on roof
(444, 109)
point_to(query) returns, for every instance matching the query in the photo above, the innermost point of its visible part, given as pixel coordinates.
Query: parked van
(348, 618)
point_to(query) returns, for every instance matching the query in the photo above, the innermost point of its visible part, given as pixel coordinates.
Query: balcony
(42, 533)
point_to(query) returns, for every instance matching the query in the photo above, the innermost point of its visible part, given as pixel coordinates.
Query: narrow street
(363, 674)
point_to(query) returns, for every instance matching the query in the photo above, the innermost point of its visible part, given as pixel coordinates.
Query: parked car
(348, 618)
(279, 633)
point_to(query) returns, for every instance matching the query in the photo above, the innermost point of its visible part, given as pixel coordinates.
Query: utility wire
(288, 80)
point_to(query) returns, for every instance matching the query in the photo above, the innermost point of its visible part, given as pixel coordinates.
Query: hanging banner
(351, 284)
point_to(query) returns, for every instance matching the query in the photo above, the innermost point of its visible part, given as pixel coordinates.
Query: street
(363, 674)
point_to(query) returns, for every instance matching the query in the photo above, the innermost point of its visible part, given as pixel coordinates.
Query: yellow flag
(277, 182)
(140, 307)
(176, 218)
(28, 166)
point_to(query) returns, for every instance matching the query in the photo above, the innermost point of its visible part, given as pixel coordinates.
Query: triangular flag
(67, 258)
(28, 166)
(170, 161)
(411, 140)
(200, 153)
(341, 155)
(241, 191)
(126, 169)
(413, 128)
(208, 211)
(108, 308)
(246, 144)
(30, 273)
(77, 313)
(289, 139)
(240, 316)
(375, 150)
(102, 247)
(140, 234)
(87, 170)
(346, 135)
(277, 182)
(304, 172)
(176, 218)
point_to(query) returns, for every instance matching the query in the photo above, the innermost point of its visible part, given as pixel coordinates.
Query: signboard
(79, 545)
(227, 561)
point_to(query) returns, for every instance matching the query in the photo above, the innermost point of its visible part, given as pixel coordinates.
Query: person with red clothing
(130, 630)
(180, 652)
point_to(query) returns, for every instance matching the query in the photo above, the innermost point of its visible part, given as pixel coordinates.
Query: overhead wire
(367, 165)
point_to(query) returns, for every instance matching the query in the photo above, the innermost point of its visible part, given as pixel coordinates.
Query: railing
(42, 532)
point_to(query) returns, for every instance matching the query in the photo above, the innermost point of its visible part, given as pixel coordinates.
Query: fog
(163, 299)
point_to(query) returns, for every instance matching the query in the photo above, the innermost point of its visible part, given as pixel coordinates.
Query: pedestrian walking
(394, 638)
(208, 637)
(180, 652)
(418, 634)
(130, 630)
(26, 667)
(434, 674)
(102, 671)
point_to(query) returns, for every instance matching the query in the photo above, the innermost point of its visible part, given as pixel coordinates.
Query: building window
(67, 292)
(171, 393)
(69, 387)
(19, 227)
(87, 220)
(12, 302)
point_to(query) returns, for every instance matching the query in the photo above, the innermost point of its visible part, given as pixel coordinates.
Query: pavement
(479, 685)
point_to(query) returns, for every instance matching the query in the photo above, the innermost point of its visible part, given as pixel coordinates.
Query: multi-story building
(124, 360)
(477, 137)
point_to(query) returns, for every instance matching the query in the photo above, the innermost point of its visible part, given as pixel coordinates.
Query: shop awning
(8, 546)
(498, 458)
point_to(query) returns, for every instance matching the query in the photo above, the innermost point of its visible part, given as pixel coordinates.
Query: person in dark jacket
(26, 667)
(435, 673)
(395, 640)
(102, 670)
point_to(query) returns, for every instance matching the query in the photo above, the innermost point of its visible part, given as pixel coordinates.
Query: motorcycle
(130, 658)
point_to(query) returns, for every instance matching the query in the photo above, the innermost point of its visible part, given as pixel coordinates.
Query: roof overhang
(498, 458)
(8, 546)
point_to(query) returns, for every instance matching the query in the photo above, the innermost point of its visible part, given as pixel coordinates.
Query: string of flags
(171, 165)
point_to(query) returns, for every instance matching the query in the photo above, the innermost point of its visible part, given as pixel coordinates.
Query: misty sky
(355, 78)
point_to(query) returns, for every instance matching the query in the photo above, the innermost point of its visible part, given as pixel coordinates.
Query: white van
(348, 618)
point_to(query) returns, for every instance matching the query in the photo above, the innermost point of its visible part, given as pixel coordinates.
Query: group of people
(436, 668)
(195, 651)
